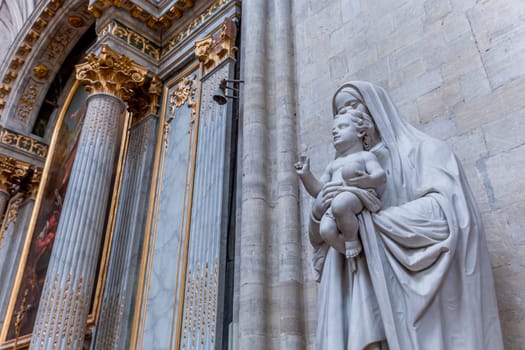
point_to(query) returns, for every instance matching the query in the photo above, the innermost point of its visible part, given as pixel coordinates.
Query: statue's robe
(425, 280)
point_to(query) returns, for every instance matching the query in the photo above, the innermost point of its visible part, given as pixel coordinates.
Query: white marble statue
(424, 281)
(360, 172)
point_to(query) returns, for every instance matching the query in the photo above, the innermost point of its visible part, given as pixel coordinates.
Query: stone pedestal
(66, 296)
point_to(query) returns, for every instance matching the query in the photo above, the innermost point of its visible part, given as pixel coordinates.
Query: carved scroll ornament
(218, 46)
(111, 73)
(185, 91)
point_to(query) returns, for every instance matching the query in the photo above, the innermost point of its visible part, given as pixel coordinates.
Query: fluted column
(117, 302)
(66, 295)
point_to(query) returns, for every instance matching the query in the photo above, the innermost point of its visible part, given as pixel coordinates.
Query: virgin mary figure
(424, 281)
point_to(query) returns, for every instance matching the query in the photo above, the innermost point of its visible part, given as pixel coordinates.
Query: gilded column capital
(111, 73)
(12, 171)
(5, 182)
(216, 47)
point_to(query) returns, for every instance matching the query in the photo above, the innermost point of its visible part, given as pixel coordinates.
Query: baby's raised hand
(302, 166)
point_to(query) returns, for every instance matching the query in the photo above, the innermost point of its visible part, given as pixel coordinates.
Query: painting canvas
(43, 236)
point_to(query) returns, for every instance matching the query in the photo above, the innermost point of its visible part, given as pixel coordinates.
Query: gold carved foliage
(215, 7)
(185, 91)
(154, 90)
(97, 8)
(145, 102)
(23, 143)
(215, 48)
(14, 172)
(133, 38)
(111, 73)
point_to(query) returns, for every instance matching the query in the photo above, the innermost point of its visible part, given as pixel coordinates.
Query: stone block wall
(456, 70)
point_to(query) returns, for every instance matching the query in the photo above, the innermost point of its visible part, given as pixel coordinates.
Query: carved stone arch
(35, 58)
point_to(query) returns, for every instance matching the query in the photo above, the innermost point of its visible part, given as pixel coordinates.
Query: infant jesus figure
(350, 183)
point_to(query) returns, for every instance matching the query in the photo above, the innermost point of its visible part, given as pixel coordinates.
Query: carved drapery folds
(218, 46)
(111, 73)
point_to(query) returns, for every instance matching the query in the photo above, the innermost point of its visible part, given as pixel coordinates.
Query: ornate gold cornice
(132, 38)
(111, 73)
(218, 46)
(215, 7)
(165, 21)
(23, 143)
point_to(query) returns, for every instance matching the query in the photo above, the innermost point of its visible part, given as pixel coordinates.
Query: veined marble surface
(168, 231)
(207, 229)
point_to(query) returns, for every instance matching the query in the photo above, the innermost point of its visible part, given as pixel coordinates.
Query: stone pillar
(291, 324)
(255, 220)
(65, 302)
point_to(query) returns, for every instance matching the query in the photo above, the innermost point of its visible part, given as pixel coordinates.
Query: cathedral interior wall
(456, 70)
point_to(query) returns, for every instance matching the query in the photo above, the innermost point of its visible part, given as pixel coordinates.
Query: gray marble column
(113, 329)
(66, 295)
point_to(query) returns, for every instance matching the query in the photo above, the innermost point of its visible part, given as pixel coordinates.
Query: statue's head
(362, 122)
(348, 97)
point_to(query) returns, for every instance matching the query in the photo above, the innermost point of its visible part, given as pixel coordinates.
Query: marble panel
(11, 246)
(168, 232)
(208, 222)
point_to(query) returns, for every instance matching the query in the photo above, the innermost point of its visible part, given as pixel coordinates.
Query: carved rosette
(111, 73)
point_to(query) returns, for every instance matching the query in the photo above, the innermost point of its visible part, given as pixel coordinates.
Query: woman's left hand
(362, 180)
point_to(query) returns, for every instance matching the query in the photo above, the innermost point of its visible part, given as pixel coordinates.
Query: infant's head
(361, 122)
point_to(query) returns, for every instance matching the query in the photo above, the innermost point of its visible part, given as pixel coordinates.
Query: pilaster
(110, 78)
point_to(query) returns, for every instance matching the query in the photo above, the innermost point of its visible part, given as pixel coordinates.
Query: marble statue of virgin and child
(399, 248)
